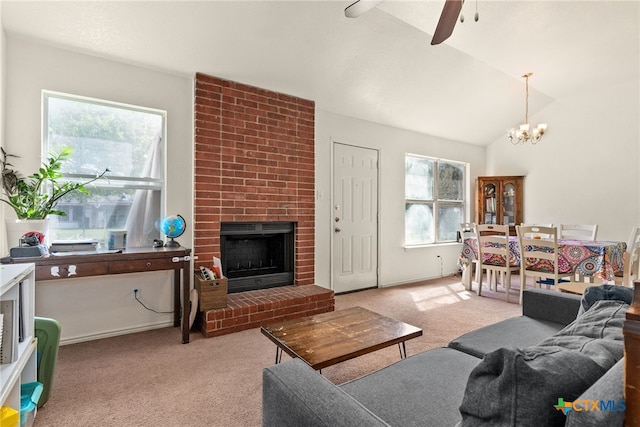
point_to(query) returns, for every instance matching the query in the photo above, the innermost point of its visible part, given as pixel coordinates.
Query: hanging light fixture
(523, 134)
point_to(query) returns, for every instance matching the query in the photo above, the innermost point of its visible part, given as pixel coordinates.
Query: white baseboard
(420, 279)
(114, 333)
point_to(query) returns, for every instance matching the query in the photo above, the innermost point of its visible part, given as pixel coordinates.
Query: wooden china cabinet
(499, 200)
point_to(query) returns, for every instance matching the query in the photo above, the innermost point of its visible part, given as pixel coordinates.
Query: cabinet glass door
(509, 202)
(489, 192)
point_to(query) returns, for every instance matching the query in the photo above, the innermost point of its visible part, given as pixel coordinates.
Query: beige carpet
(151, 379)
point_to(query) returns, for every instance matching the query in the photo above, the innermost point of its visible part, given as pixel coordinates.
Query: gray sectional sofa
(511, 373)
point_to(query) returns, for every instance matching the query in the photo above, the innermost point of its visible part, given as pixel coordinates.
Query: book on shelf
(20, 312)
(489, 218)
(9, 346)
(490, 204)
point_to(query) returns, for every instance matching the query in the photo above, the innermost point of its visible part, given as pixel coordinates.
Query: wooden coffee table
(329, 338)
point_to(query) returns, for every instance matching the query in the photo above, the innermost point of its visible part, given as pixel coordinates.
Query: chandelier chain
(526, 99)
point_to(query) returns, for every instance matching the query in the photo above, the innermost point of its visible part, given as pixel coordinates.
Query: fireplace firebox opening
(257, 255)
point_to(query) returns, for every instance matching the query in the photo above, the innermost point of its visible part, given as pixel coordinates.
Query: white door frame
(331, 215)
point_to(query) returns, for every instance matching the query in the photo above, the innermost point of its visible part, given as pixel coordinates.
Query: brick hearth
(251, 309)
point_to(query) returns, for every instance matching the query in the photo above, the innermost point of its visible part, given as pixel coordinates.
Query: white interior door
(355, 218)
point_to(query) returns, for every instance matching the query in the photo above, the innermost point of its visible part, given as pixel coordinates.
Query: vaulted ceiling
(379, 67)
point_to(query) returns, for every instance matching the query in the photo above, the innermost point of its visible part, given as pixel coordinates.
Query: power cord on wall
(135, 294)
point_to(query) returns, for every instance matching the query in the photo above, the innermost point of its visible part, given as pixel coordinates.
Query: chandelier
(523, 134)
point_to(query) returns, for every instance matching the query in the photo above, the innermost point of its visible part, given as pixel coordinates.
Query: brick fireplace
(254, 162)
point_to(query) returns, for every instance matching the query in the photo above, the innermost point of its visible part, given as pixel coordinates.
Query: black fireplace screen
(257, 255)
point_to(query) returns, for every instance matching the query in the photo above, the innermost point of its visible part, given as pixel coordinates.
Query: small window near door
(434, 199)
(126, 139)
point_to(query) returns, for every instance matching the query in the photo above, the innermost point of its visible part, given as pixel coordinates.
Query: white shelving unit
(23, 369)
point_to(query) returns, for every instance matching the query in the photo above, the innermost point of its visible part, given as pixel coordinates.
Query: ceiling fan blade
(448, 19)
(360, 7)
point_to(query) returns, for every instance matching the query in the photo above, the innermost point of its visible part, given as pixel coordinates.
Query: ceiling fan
(447, 21)
(444, 29)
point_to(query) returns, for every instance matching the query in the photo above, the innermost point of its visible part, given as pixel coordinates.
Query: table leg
(403, 350)
(177, 313)
(186, 298)
(467, 271)
(278, 355)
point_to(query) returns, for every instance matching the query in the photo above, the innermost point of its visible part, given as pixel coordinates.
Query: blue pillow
(604, 292)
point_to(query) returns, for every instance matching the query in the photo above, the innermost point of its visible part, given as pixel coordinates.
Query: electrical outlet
(135, 292)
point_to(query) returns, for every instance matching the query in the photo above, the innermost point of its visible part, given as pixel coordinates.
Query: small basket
(211, 293)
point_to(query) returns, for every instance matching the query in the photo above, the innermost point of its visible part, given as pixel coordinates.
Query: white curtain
(145, 209)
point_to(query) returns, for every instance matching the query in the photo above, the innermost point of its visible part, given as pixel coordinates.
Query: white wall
(97, 307)
(585, 169)
(3, 49)
(396, 265)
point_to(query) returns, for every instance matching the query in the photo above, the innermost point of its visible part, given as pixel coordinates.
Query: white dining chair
(630, 260)
(494, 239)
(467, 230)
(538, 225)
(633, 236)
(578, 231)
(533, 246)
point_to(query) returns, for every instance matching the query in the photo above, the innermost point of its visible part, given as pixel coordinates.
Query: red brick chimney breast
(254, 161)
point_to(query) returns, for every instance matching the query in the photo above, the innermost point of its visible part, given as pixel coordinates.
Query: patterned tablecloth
(602, 259)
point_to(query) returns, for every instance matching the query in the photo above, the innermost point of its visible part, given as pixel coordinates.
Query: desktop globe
(172, 226)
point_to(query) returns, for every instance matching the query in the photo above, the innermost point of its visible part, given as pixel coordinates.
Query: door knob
(337, 230)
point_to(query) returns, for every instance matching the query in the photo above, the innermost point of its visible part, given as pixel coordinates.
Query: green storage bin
(48, 333)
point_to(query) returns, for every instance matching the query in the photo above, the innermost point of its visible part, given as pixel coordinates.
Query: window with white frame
(434, 199)
(126, 139)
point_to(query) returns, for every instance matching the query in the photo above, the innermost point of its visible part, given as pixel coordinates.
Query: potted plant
(36, 196)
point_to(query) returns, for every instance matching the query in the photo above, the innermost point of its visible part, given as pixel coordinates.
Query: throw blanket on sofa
(520, 387)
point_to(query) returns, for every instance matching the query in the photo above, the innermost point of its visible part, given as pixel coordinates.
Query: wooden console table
(133, 260)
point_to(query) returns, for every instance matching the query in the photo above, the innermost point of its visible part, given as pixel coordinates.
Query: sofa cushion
(609, 390)
(596, 333)
(544, 313)
(421, 390)
(517, 332)
(519, 387)
(550, 305)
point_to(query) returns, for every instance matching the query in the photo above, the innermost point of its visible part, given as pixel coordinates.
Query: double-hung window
(126, 139)
(434, 199)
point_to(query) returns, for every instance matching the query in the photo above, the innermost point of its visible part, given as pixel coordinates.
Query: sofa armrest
(550, 305)
(293, 394)
(608, 390)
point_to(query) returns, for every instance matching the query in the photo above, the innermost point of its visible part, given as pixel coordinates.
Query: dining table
(592, 258)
